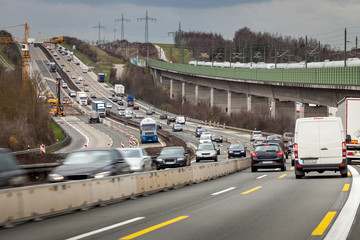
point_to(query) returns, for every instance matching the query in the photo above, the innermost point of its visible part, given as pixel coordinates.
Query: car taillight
(295, 149)
(254, 154)
(350, 154)
(279, 153)
(343, 149)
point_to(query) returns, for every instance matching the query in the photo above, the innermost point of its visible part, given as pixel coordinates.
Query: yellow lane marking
(225, 152)
(320, 229)
(349, 174)
(346, 187)
(292, 168)
(251, 190)
(142, 232)
(282, 175)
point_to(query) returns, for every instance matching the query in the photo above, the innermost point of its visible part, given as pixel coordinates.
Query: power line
(147, 18)
(99, 27)
(122, 20)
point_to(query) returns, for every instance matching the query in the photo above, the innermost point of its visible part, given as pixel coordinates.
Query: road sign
(122, 145)
(42, 149)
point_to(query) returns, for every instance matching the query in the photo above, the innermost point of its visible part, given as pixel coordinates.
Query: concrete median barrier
(36, 202)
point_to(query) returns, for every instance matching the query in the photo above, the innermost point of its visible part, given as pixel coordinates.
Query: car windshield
(131, 153)
(148, 127)
(172, 151)
(204, 137)
(267, 148)
(206, 147)
(88, 157)
(236, 146)
(257, 132)
(216, 135)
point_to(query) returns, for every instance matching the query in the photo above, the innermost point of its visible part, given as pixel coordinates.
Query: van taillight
(279, 153)
(343, 149)
(296, 151)
(254, 154)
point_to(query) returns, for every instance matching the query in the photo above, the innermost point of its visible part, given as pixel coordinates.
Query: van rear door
(307, 138)
(330, 141)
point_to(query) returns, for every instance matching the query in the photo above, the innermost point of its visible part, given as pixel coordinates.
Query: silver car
(205, 138)
(206, 151)
(137, 158)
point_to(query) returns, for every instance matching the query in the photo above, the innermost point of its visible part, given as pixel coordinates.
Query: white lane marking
(261, 177)
(223, 191)
(343, 223)
(86, 137)
(105, 228)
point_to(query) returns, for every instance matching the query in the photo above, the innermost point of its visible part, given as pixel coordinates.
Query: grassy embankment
(176, 53)
(59, 135)
(7, 60)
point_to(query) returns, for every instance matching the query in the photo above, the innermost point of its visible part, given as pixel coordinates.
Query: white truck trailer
(119, 89)
(81, 98)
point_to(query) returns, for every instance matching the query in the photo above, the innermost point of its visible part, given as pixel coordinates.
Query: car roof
(175, 147)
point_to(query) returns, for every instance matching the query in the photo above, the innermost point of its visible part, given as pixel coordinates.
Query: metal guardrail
(333, 76)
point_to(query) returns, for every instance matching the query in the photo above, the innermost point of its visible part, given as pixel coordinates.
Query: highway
(268, 204)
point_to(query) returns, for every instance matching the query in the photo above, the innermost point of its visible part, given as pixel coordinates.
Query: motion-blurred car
(90, 163)
(216, 138)
(287, 136)
(267, 155)
(149, 112)
(158, 125)
(205, 138)
(136, 107)
(85, 84)
(177, 128)
(77, 81)
(199, 130)
(139, 116)
(206, 151)
(64, 85)
(73, 77)
(259, 140)
(115, 99)
(67, 70)
(86, 89)
(137, 158)
(170, 157)
(93, 95)
(236, 150)
(80, 78)
(255, 134)
(163, 116)
(122, 111)
(217, 147)
(120, 103)
(11, 175)
(273, 137)
(171, 119)
(108, 105)
(128, 115)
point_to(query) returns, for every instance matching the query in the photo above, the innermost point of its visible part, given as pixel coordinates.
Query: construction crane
(25, 58)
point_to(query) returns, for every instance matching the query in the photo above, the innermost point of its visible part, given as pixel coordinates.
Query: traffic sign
(42, 149)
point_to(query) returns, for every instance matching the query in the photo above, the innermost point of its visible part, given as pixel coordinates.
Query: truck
(52, 67)
(148, 130)
(130, 100)
(119, 89)
(94, 117)
(101, 77)
(348, 111)
(99, 106)
(81, 98)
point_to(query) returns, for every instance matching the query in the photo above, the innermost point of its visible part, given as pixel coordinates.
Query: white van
(319, 146)
(180, 120)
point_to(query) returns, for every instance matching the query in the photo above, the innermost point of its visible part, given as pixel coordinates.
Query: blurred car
(85, 84)
(206, 133)
(11, 175)
(120, 103)
(255, 134)
(259, 140)
(177, 128)
(149, 112)
(273, 137)
(80, 78)
(64, 85)
(206, 151)
(86, 89)
(152, 109)
(205, 138)
(109, 96)
(139, 116)
(163, 116)
(158, 125)
(122, 111)
(199, 130)
(90, 163)
(180, 120)
(57, 58)
(137, 158)
(93, 95)
(136, 107)
(108, 105)
(171, 119)
(67, 70)
(281, 145)
(236, 150)
(267, 155)
(128, 115)
(216, 138)
(85, 70)
(287, 136)
(170, 157)
(73, 77)
(217, 147)
(77, 81)
(63, 65)
(114, 99)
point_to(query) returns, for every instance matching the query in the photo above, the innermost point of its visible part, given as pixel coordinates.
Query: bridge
(235, 90)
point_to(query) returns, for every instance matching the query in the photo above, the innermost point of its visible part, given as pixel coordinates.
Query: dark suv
(267, 155)
(199, 130)
(281, 145)
(170, 157)
(11, 175)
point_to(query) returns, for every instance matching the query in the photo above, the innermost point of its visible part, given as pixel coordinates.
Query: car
(63, 65)
(114, 99)
(85, 70)
(109, 96)
(205, 138)
(139, 116)
(122, 112)
(73, 77)
(86, 89)
(217, 147)
(11, 175)
(163, 116)
(152, 109)
(320, 145)
(255, 134)
(77, 82)
(137, 158)
(177, 128)
(206, 133)
(72, 93)
(273, 137)
(80, 78)
(128, 115)
(180, 120)
(120, 107)
(136, 107)
(67, 70)
(287, 136)
(199, 130)
(171, 157)
(206, 151)
(55, 54)
(108, 105)
(64, 85)
(90, 163)
(85, 84)
(280, 143)
(112, 92)
(236, 150)
(259, 140)
(158, 125)
(149, 112)
(216, 138)
(48, 62)
(267, 155)
(130, 104)
(171, 119)
(57, 58)
(93, 95)
(120, 103)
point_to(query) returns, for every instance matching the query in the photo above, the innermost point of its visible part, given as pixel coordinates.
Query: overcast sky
(323, 19)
